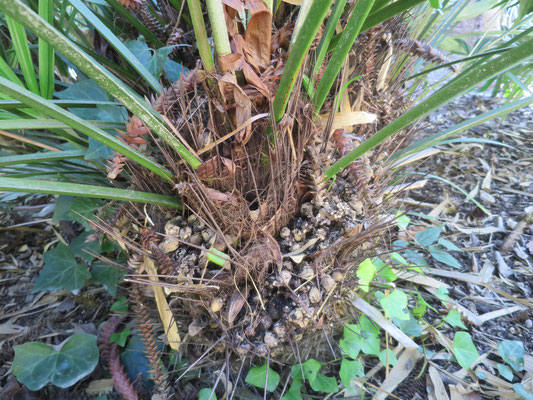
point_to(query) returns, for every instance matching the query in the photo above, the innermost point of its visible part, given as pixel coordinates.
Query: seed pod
(307, 272)
(261, 350)
(337, 276)
(314, 295)
(244, 349)
(217, 304)
(328, 283)
(280, 329)
(271, 340)
(285, 232)
(285, 277)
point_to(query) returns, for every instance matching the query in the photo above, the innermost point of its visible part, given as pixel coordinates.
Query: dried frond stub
(116, 165)
(423, 50)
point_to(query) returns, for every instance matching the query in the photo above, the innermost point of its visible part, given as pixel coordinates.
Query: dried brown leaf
(235, 304)
(258, 34)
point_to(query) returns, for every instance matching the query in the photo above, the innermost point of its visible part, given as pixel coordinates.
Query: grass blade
(138, 106)
(461, 84)
(22, 50)
(117, 44)
(456, 129)
(41, 157)
(329, 30)
(7, 72)
(352, 29)
(15, 105)
(46, 53)
(81, 125)
(298, 50)
(48, 123)
(80, 190)
(390, 11)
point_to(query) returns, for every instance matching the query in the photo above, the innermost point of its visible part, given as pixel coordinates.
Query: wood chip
(379, 319)
(398, 373)
(439, 391)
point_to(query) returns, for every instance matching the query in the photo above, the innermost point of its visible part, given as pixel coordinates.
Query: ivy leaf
(464, 349)
(294, 392)
(120, 306)
(108, 277)
(78, 209)
(443, 257)
(136, 362)
(323, 383)
(79, 245)
(174, 70)
(257, 376)
(370, 344)
(521, 390)
(352, 342)
(311, 368)
(387, 274)
(505, 371)
(392, 357)
(207, 394)
(120, 337)
(61, 271)
(410, 327)
(36, 364)
(365, 273)
(368, 326)
(442, 294)
(318, 382)
(395, 305)
(349, 370)
(454, 319)
(428, 236)
(512, 352)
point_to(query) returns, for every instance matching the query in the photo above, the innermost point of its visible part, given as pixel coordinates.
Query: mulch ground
(492, 223)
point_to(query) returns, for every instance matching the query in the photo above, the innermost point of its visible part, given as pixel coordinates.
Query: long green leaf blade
(390, 11)
(340, 53)
(46, 53)
(41, 157)
(41, 123)
(14, 104)
(458, 128)
(77, 123)
(22, 50)
(80, 190)
(461, 84)
(24, 15)
(7, 72)
(117, 44)
(298, 50)
(329, 31)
